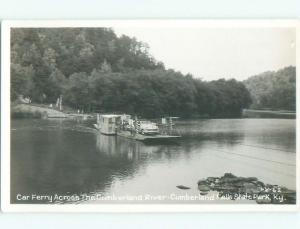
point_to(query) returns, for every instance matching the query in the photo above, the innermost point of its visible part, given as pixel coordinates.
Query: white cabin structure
(108, 124)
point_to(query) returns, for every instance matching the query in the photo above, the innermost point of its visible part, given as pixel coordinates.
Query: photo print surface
(147, 115)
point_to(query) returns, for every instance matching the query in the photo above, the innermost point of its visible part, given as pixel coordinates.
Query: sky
(213, 53)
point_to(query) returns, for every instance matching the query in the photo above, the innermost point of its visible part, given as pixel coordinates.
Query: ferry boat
(135, 129)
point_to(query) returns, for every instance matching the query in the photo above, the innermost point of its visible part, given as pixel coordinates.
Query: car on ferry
(148, 128)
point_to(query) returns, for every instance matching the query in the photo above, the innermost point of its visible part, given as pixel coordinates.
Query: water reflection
(117, 146)
(114, 146)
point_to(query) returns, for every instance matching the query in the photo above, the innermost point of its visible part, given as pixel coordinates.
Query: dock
(148, 138)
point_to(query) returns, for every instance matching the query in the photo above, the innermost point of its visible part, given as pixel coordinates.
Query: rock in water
(250, 179)
(212, 179)
(203, 193)
(230, 185)
(182, 187)
(204, 182)
(203, 188)
(229, 175)
(250, 188)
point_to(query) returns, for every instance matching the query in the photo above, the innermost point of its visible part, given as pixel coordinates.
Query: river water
(70, 158)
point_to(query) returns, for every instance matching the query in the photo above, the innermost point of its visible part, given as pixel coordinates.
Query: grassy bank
(33, 111)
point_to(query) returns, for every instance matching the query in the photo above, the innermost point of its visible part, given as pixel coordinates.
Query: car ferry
(135, 129)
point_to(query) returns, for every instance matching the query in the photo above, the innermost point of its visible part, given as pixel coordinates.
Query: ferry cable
(257, 158)
(249, 164)
(262, 147)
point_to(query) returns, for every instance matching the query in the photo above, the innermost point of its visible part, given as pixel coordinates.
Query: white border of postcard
(5, 116)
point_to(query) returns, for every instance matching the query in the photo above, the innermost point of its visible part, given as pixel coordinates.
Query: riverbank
(34, 111)
(42, 111)
(252, 113)
(22, 110)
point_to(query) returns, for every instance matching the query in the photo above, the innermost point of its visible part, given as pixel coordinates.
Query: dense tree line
(273, 90)
(97, 71)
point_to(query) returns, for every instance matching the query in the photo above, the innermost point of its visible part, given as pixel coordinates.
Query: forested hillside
(97, 71)
(273, 90)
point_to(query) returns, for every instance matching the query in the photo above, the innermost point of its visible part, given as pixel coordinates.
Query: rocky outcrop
(182, 187)
(250, 188)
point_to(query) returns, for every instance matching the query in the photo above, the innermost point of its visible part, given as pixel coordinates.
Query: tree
(95, 70)
(21, 82)
(77, 91)
(273, 90)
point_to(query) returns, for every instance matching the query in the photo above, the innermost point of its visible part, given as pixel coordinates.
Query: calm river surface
(69, 157)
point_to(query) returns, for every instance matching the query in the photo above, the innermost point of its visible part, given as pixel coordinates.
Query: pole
(60, 103)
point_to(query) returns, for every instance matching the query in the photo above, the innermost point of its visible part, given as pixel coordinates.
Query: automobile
(148, 128)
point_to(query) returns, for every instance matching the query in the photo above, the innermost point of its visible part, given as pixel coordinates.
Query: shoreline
(253, 113)
(23, 111)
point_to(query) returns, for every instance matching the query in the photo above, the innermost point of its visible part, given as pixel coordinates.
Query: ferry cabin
(109, 124)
